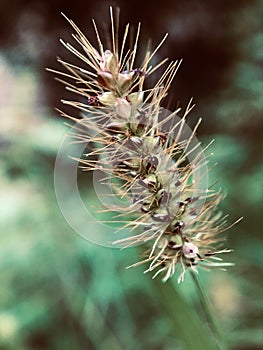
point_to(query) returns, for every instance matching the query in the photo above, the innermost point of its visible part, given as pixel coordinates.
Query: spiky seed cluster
(177, 221)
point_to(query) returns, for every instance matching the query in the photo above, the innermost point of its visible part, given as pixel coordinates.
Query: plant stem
(209, 314)
(186, 325)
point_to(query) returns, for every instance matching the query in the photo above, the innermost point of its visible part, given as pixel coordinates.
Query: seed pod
(177, 227)
(160, 216)
(181, 209)
(131, 164)
(109, 62)
(107, 98)
(106, 79)
(150, 182)
(134, 143)
(175, 242)
(163, 197)
(150, 164)
(136, 98)
(115, 127)
(152, 144)
(190, 250)
(123, 108)
(125, 79)
(146, 205)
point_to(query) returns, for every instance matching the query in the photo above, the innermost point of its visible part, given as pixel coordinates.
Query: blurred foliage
(58, 291)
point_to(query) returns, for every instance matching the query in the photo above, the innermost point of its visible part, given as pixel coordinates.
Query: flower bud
(190, 251)
(106, 79)
(109, 62)
(122, 107)
(175, 241)
(150, 181)
(160, 216)
(107, 98)
(133, 143)
(136, 97)
(124, 80)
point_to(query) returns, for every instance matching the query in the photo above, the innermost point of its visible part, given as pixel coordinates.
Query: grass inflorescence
(159, 165)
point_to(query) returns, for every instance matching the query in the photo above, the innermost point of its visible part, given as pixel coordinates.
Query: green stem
(186, 325)
(208, 313)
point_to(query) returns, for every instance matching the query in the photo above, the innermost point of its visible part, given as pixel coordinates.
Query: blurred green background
(58, 291)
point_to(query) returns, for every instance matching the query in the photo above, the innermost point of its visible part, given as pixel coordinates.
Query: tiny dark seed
(160, 217)
(165, 196)
(133, 142)
(178, 227)
(142, 183)
(171, 245)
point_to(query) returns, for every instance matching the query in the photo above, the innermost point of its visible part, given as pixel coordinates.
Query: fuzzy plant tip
(151, 161)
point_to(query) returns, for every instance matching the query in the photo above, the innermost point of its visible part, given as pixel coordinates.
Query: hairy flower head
(158, 166)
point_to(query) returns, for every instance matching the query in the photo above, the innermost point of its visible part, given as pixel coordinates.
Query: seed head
(158, 165)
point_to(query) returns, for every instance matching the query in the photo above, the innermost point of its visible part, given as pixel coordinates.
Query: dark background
(58, 291)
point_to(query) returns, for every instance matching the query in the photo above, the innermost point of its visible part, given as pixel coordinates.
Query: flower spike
(158, 165)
